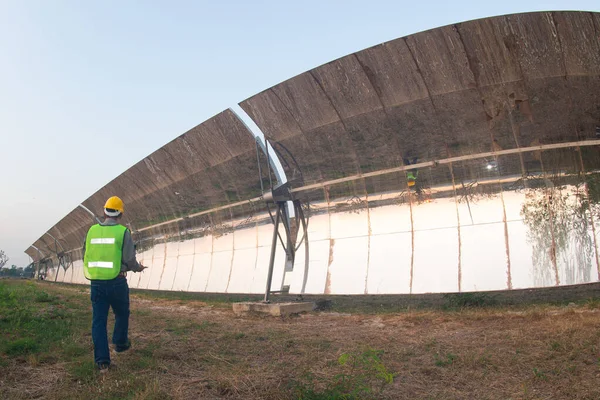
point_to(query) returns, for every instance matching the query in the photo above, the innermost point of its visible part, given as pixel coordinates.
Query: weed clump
(363, 376)
(21, 347)
(43, 297)
(445, 361)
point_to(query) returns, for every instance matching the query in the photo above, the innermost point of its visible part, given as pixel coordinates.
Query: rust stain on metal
(232, 252)
(506, 241)
(163, 265)
(150, 269)
(175, 274)
(495, 145)
(508, 268)
(193, 265)
(331, 241)
(212, 252)
(231, 262)
(412, 243)
(369, 231)
(458, 226)
(328, 280)
(256, 259)
(553, 258)
(459, 256)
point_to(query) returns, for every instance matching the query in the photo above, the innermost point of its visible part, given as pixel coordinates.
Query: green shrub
(363, 376)
(43, 297)
(593, 303)
(445, 361)
(22, 346)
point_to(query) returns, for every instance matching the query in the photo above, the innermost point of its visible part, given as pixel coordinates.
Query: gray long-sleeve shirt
(128, 261)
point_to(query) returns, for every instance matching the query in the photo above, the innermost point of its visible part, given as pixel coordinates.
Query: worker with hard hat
(412, 174)
(108, 254)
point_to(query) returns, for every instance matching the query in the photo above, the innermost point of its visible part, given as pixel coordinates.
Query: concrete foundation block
(274, 309)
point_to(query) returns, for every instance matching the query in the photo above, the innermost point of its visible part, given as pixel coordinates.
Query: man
(108, 253)
(412, 174)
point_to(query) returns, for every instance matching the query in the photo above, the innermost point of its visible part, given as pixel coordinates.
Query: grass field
(184, 348)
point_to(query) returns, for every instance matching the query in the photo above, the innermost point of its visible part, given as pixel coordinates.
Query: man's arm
(129, 260)
(83, 247)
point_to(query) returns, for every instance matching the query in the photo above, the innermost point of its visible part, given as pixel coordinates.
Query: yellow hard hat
(114, 203)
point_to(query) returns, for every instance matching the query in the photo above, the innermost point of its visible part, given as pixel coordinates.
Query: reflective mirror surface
(459, 159)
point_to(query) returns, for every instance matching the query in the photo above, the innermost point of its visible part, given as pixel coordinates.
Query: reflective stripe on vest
(103, 241)
(103, 252)
(100, 264)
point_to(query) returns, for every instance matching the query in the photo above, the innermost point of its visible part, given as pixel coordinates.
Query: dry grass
(192, 350)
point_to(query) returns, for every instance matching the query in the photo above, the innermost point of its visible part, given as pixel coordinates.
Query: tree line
(18, 272)
(14, 271)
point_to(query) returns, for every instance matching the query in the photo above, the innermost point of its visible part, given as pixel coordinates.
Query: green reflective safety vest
(103, 252)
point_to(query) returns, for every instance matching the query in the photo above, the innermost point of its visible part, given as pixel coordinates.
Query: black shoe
(122, 348)
(103, 367)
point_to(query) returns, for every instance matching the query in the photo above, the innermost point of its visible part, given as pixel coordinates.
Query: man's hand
(142, 267)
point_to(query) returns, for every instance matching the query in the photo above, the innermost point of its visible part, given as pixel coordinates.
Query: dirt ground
(191, 349)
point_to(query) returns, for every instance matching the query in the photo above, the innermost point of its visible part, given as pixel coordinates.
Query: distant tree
(29, 271)
(3, 259)
(560, 233)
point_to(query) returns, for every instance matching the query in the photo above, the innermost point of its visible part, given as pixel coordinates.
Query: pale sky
(78, 77)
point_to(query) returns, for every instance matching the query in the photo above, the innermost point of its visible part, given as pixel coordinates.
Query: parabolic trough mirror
(457, 159)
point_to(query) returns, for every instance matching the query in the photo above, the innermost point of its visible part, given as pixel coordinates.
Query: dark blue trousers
(106, 294)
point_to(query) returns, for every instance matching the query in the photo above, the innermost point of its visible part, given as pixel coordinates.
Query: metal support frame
(94, 216)
(39, 261)
(280, 197)
(280, 205)
(42, 271)
(64, 259)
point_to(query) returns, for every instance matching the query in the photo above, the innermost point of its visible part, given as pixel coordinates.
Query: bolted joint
(279, 194)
